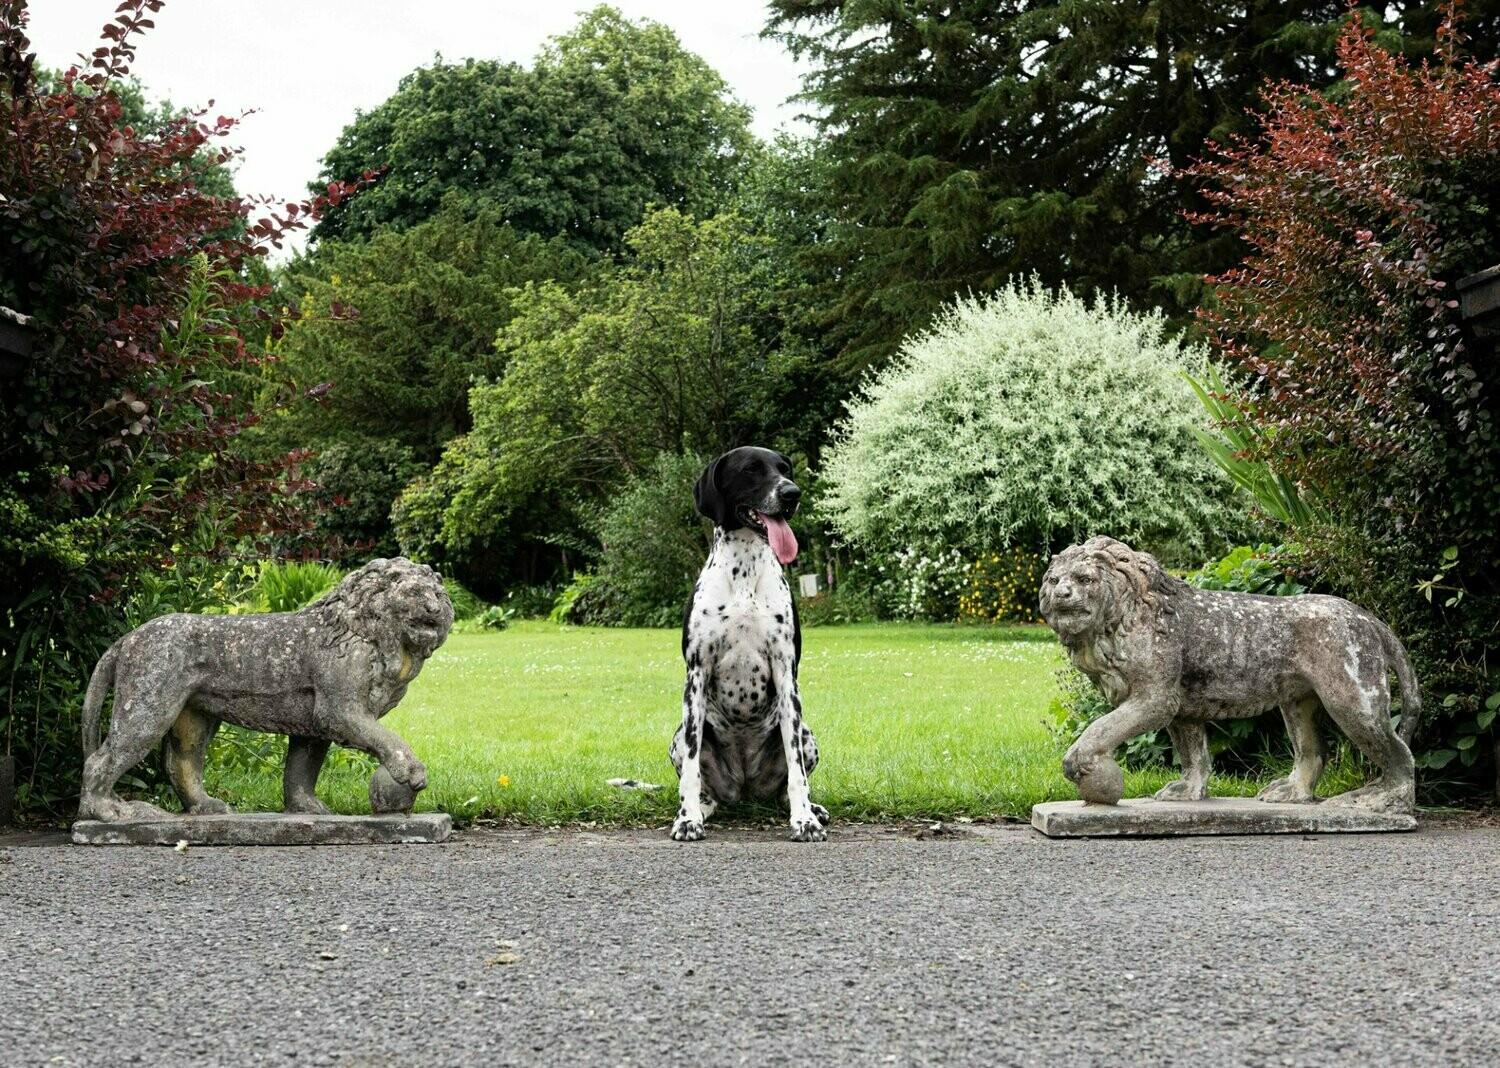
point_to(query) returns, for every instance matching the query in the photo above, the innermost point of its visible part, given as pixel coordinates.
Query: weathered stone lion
(1167, 655)
(324, 674)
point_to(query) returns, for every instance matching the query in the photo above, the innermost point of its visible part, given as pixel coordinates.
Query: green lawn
(528, 723)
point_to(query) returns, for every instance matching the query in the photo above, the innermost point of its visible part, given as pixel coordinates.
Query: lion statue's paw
(1182, 790)
(1378, 798)
(1284, 791)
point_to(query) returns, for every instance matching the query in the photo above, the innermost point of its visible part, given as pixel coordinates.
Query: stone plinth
(1144, 817)
(268, 829)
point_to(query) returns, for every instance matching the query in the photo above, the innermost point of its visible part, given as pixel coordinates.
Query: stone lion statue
(324, 674)
(1166, 655)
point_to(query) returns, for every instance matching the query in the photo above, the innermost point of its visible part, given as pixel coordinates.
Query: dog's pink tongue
(783, 541)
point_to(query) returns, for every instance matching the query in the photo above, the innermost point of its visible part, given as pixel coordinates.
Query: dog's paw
(686, 830)
(809, 830)
(821, 815)
(211, 806)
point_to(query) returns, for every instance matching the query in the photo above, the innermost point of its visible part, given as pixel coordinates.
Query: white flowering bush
(908, 583)
(1033, 419)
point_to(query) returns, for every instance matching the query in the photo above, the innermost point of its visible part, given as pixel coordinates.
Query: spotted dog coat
(742, 735)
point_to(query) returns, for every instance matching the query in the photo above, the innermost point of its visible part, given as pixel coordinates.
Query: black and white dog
(742, 736)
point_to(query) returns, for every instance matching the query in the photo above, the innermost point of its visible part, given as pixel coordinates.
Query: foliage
(1259, 569)
(572, 603)
(293, 585)
(676, 351)
(1003, 587)
(119, 443)
(970, 142)
(844, 603)
(495, 617)
(418, 313)
(1237, 438)
(354, 484)
(530, 602)
(1032, 419)
(1359, 213)
(612, 117)
(466, 603)
(910, 583)
(653, 543)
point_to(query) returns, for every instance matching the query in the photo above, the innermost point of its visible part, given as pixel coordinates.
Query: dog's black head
(752, 488)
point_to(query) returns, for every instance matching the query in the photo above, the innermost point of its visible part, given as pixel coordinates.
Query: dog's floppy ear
(709, 496)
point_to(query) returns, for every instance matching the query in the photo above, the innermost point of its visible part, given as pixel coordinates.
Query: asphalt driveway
(993, 946)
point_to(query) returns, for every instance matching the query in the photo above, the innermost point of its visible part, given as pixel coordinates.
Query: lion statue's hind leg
(1190, 744)
(1361, 708)
(1301, 786)
(187, 746)
(146, 705)
(299, 778)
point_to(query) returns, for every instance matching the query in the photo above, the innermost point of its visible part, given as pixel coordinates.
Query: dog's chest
(742, 626)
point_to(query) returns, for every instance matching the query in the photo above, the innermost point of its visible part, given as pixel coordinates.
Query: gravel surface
(994, 947)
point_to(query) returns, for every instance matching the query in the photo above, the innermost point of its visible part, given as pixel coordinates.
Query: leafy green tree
(612, 117)
(679, 350)
(403, 324)
(652, 544)
(972, 141)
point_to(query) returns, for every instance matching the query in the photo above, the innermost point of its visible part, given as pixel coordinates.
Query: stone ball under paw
(389, 796)
(1102, 783)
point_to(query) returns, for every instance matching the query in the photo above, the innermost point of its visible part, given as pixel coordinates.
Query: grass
(527, 724)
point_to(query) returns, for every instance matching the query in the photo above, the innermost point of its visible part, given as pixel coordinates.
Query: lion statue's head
(398, 605)
(1101, 587)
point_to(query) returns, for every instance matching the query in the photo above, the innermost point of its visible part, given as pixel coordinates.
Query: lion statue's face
(419, 603)
(394, 602)
(1081, 593)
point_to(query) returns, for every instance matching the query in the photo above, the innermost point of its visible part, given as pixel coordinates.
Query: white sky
(306, 66)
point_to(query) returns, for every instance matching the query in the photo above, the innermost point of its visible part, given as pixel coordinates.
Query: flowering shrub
(1003, 587)
(1028, 418)
(911, 584)
(1346, 342)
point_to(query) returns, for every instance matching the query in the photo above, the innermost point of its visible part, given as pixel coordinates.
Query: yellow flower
(503, 780)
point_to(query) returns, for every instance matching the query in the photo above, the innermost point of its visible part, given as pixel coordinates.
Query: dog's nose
(789, 494)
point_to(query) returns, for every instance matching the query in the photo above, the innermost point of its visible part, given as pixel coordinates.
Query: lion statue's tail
(1411, 693)
(93, 702)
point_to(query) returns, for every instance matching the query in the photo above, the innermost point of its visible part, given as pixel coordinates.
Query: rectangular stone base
(268, 829)
(1143, 817)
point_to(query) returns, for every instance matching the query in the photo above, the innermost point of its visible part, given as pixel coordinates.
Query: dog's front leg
(688, 826)
(806, 827)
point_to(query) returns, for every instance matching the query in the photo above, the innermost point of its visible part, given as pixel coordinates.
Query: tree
(119, 446)
(1360, 213)
(678, 350)
(611, 118)
(418, 311)
(1028, 419)
(975, 141)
